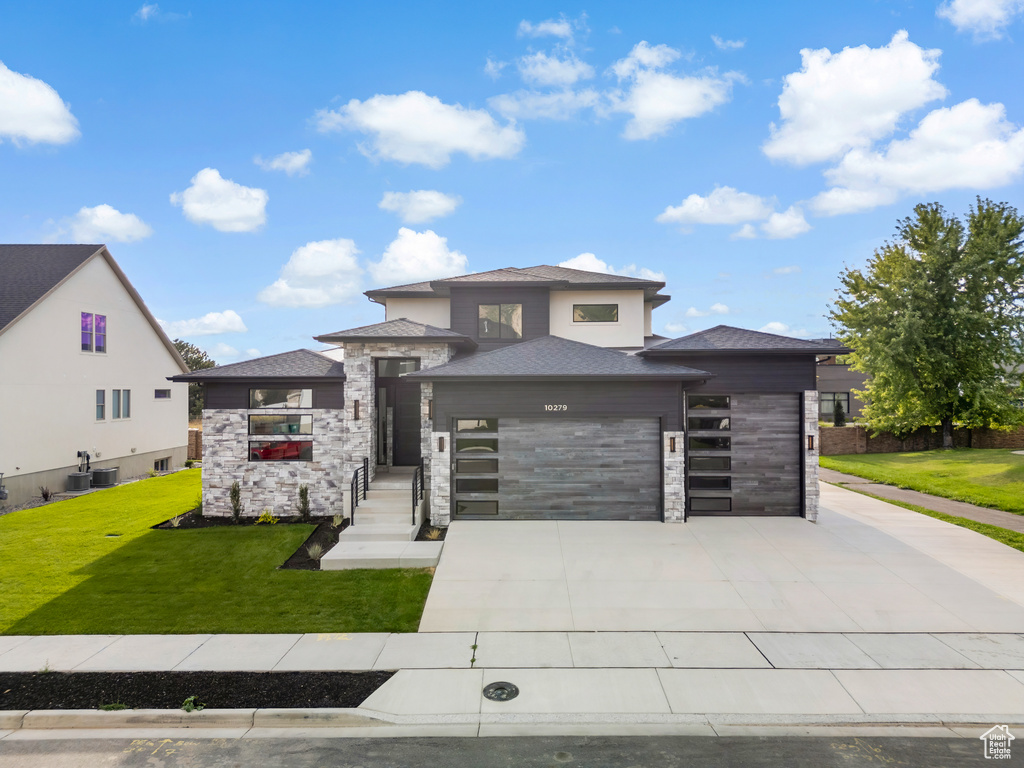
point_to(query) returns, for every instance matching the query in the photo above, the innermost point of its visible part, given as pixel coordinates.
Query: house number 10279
(556, 407)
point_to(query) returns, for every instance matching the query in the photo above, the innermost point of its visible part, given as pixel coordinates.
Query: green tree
(196, 360)
(838, 414)
(937, 320)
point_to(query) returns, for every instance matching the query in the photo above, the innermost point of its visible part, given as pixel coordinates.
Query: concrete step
(376, 503)
(346, 555)
(382, 518)
(379, 531)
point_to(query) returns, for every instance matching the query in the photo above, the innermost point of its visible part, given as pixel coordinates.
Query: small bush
(266, 518)
(433, 534)
(192, 705)
(116, 707)
(45, 492)
(304, 502)
(189, 463)
(337, 521)
(198, 509)
(315, 550)
(839, 415)
(176, 521)
(236, 501)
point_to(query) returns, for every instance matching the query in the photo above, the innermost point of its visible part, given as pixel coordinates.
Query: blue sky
(255, 167)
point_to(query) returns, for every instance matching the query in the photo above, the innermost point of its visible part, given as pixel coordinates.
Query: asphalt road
(525, 752)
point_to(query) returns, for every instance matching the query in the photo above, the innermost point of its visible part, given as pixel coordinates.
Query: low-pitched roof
(29, 273)
(297, 364)
(543, 275)
(724, 339)
(555, 357)
(401, 329)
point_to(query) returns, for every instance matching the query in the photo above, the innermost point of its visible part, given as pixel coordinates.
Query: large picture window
(595, 313)
(501, 321)
(280, 398)
(296, 450)
(281, 424)
(828, 403)
(708, 401)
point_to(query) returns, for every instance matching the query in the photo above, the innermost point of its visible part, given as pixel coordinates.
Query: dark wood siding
(754, 373)
(236, 396)
(465, 314)
(592, 400)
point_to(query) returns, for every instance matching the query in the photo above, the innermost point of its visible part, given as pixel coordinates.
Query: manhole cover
(501, 691)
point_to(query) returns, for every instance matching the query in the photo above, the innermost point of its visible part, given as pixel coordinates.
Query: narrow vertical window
(115, 403)
(100, 405)
(126, 403)
(101, 333)
(87, 331)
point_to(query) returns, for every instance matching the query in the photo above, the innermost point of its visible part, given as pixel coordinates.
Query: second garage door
(573, 469)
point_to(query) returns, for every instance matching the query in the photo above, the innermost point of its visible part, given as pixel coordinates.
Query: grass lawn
(988, 478)
(62, 574)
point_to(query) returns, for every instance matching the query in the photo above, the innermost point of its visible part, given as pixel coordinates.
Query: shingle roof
(401, 329)
(543, 274)
(298, 364)
(725, 338)
(29, 272)
(553, 356)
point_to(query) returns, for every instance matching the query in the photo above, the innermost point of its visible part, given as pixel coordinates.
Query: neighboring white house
(83, 367)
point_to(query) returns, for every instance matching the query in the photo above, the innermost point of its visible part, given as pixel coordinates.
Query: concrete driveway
(866, 566)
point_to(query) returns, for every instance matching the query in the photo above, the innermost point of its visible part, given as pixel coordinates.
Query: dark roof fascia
(425, 375)
(654, 352)
(464, 341)
(194, 377)
(659, 298)
(379, 295)
(444, 289)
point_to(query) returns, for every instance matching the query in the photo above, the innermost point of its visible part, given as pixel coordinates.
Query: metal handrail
(417, 489)
(355, 487)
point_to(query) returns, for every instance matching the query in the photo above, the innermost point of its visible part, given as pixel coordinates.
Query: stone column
(440, 479)
(426, 429)
(674, 477)
(810, 489)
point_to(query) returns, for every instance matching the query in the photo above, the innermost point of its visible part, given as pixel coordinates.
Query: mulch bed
(168, 690)
(325, 533)
(422, 534)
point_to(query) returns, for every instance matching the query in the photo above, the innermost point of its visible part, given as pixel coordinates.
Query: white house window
(595, 313)
(101, 405)
(126, 403)
(121, 404)
(115, 404)
(162, 394)
(94, 332)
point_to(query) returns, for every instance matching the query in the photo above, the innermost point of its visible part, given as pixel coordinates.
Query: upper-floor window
(280, 398)
(94, 332)
(595, 313)
(501, 321)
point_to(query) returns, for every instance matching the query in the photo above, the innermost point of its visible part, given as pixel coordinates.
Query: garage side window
(476, 467)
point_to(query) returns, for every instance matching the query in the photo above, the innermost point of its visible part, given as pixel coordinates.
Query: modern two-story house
(526, 393)
(83, 366)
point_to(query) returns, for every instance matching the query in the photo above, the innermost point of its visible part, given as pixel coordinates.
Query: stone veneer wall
(439, 471)
(811, 490)
(674, 477)
(272, 484)
(361, 434)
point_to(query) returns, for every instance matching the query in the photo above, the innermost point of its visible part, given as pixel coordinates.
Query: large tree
(196, 360)
(937, 320)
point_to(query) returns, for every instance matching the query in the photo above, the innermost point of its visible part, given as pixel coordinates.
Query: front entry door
(403, 398)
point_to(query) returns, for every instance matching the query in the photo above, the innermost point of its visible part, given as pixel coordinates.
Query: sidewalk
(714, 683)
(997, 517)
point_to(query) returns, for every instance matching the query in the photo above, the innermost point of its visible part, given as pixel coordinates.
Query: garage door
(558, 469)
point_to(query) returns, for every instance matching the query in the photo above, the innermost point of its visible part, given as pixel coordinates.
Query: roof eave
(191, 378)
(425, 376)
(463, 341)
(655, 352)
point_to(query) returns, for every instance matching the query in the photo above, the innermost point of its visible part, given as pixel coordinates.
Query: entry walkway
(866, 566)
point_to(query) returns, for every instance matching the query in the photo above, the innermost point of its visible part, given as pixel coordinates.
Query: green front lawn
(988, 478)
(61, 573)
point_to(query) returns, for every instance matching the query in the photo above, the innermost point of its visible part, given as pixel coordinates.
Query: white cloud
(493, 68)
(554, 105)
(292, 163)
(318, 274)
(792, 269)
(225, 352)
(147, 12)
(715, 309)
(103, 224)
(746, 232)
(724, 205)
(967, 146)
(151, 12)
(416, 128)
(781, 329)
(551, 28)
(985, 18)
(416, 256)
(847, 100)
(727, 45)
(419, 205)
(540, 69)
(32, 111)
(658, 100)
(209, 324)
(784, 225)
(588, 262)
(675, 327)
(221, 203)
